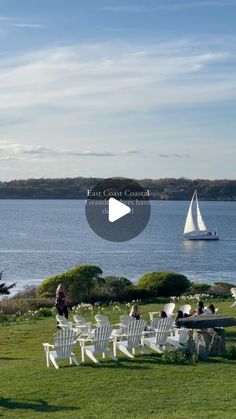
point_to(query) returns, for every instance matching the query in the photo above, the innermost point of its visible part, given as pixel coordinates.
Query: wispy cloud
(27, 25)
(125, 8)
(178, 5)
(14, 151)
(110, 78)
(5, 18)
(174, 155)
(167, 5)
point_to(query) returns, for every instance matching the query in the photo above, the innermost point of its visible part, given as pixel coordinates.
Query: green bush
(200, 288)
(21, 306)
(180, 356)
(79, 283)
(45, 312)
(230, 352)
(111, 288)
(3, 318)
(164, 284)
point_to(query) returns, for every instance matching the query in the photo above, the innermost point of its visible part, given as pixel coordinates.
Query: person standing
(61, 301)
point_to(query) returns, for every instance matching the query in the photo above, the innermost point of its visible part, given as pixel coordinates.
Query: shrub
(3, 318)
(221, 289)
(79, 283)
(28, 291)
(135, 293)
(16, 306)
(230, 352)
(45, 312)
(180, 356)
(111, 288)
(164, 284)
(200, 288)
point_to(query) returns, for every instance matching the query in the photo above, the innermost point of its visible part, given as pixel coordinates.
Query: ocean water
(40, 238)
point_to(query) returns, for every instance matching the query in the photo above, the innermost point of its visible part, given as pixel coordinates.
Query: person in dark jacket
(61, 301)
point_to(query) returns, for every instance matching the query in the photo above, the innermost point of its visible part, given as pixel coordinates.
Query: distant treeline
(76, 188)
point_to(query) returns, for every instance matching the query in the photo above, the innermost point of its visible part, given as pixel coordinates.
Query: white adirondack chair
(101, 320)
(158, 341)
(62, 348)
(179, 338)
(63, 322)
(125, 320)
(100, 343)
(186, 309)
(162, 325)
(84, 328)
(133, 340)
(233, 292)
(169, 308)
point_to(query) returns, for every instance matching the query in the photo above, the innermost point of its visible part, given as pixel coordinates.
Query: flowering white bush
(196, 297)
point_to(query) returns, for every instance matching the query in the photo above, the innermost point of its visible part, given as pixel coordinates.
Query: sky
(133, 88)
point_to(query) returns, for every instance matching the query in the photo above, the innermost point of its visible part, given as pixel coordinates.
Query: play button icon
(117, 209)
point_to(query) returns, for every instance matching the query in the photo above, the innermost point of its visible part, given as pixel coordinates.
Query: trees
(79, 283)
(112, 288)
(164, 284)
(5, 289)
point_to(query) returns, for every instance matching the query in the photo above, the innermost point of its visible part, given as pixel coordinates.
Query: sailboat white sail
(201, 226)
(195, 227)
(189, 224)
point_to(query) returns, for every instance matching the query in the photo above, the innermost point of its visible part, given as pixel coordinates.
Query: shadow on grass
(10, 358)
(37, 406)
(138, 363)
(222, 360)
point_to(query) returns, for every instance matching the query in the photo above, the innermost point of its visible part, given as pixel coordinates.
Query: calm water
(42, 238)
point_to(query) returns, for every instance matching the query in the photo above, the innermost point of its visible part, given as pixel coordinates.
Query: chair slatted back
(79, 320)
(101, 320)
(186, 308)
(102, 336)
(63, 343)
(169, 308)
(62, 321)
(162, 325)
(125, 319)
(134, 333)
(161, 337)
(183, 335)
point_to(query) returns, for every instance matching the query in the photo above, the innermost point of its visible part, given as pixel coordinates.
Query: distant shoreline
(167, 189)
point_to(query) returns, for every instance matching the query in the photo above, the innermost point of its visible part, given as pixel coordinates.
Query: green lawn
(140, 388)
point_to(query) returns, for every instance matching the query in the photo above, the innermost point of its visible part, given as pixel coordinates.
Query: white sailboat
(195, 228)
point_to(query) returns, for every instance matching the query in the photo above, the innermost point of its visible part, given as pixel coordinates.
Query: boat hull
(204, 237)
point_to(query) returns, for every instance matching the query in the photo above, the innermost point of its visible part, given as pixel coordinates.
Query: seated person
(200, 309)
(135, 312)
(179, 315)
(211, 309)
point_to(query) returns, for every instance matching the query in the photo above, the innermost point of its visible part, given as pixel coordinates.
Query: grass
(141, 388)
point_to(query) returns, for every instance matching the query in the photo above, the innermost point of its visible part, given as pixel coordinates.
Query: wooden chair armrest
(47, 346)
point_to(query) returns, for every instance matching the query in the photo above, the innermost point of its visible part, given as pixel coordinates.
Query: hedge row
(85, 283)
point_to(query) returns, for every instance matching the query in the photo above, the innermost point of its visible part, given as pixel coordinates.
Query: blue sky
(117, 88)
